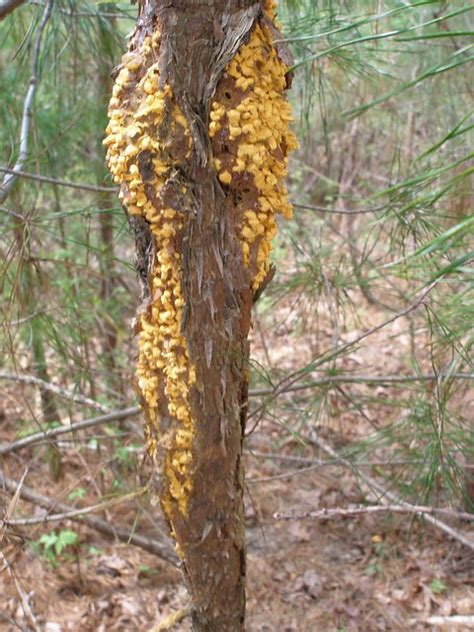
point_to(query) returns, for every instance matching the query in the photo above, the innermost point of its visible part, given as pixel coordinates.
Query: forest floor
(365, 573)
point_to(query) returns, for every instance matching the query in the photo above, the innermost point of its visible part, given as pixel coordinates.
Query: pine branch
(9, 178)
(63, 183)
(290, 380)
(361, 379)
(68, 515)
(117, 415)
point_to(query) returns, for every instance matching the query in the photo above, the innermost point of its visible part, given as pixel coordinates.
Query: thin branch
(68, 515)
(122, 533)
(323, 381)
(307, 461)
(54, 388)
(290, 379)
(357, 510)
(26, 319)
(13, 622)
(41, 437)
(10, 178)
(56, 181)
(7, 211)
(7, 6)
(24, 597)
(325, 209)
(277, 477)
(387, 495)
(315, 464)
(87, 14)
(361, 379)
(457, 619)
(169, 622)
(10, 510)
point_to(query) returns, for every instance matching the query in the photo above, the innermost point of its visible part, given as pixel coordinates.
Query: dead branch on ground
(54, 388)
(41, 437)
(386, 497)
(122, 533)
(357, 510)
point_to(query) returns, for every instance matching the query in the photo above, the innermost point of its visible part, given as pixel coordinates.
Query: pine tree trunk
(202, 192)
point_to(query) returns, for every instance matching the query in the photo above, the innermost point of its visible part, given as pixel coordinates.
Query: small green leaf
(437, 586)
(64, 539)
(48, 540)
(80, 492)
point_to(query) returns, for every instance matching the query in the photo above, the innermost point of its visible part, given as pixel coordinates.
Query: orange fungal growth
(251, 140)
(141, 165)
(148, 140)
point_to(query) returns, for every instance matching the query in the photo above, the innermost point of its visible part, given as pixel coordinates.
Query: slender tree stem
(11, 175)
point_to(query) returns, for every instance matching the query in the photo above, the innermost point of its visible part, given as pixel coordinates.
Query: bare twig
(40, 437)
(87, 14)
(457, 619)
(308, 461)
(12, 504)
(122, 533)
(338, 211)
(361, 379)
(276, 477)
(24, 598)
(54, 388)
(63, 183)
(10, 178)
(68, 515)
(357, 510)
(14, 214)
(293, 377)
(16, 625)
(169, 622)
(387, 497)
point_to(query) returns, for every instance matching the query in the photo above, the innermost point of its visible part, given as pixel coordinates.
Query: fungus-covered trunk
(198, 139)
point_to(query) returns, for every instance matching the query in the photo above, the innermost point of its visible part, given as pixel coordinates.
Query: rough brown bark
(203, 255)
(218, 296)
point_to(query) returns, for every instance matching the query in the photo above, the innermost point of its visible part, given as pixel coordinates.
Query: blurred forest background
(361, 346)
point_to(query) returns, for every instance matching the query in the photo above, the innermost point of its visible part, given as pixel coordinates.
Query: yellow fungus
(259, 126)
(225, 177)
(256, 127)
(163, 355)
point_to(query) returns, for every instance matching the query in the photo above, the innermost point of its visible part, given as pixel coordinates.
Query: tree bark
(197, 188)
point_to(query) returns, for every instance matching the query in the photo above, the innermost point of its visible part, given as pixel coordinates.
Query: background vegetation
(363, 342)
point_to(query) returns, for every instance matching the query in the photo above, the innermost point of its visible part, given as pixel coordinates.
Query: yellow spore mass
(257, 126)
(254, 118)
(140, 164)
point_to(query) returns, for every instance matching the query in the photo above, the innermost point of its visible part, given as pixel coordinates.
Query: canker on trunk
(198, 141)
